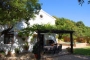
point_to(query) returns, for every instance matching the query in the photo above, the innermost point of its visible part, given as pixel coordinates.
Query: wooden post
(38, 38)
(39, 52)
(71, 39)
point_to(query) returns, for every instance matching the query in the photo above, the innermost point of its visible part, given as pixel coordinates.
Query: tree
(60, 23)
(13, 11)
(80, 23)
(66, 24)
(79, 27)
(82, 1)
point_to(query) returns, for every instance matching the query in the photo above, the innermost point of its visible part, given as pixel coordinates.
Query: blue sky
(69, 9)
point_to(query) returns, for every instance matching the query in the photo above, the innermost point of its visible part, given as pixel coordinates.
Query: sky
(69, 9)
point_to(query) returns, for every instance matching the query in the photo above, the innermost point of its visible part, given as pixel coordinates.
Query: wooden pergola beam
(55, 31)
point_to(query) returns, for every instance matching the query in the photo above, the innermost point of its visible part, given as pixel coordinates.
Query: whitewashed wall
(46, 18)
(20, 25)
(49, 36)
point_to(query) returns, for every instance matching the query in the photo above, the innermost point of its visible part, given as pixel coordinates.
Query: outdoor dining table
(53, 49)
(50, 49)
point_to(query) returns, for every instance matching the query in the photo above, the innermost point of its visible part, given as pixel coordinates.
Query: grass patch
(82, 51)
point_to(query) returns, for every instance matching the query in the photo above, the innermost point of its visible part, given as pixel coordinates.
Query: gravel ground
(70, 57)
(64, 55)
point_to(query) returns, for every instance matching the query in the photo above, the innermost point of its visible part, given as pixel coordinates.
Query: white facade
(41, 18)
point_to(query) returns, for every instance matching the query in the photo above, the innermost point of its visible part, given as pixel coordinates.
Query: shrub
(26, 46)
(17, 50)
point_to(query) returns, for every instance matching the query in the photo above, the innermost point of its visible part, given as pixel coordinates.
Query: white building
(41, 18)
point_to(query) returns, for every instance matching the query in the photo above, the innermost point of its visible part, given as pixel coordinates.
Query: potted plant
(9, 53)
(26, 46)
(17, 50)
(2, 53)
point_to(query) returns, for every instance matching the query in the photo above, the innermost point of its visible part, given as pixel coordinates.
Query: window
(8, 38)
(41, 16)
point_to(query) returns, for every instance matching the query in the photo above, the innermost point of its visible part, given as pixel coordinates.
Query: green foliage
(30, 30)
(26, 43)
(26, 46)
(17, 50)
(12, 11)
(87, 31)
(67, 24)
(61, 24)
(82, 1)
(2, 52)
(80, 24)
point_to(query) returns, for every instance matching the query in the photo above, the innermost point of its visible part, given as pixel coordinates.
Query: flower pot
(9, 53)
(0, 55)
(17, 50)
(36, 55)
(26, 47)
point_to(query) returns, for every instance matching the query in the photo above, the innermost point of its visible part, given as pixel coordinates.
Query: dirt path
(70, 57)
(63, 55)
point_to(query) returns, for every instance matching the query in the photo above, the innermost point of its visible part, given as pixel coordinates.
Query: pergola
(57, 32)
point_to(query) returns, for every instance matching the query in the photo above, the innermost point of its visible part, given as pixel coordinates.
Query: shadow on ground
(63, 55)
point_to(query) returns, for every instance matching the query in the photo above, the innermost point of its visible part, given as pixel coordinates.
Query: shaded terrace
(57, 32)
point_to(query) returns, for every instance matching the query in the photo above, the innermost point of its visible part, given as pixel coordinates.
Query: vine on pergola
(30, 30)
